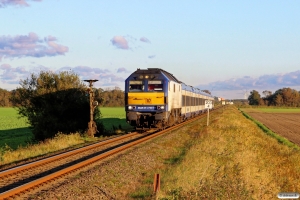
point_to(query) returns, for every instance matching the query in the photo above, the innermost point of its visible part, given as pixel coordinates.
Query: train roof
(193, 89)
(172, 78)
(156, 71)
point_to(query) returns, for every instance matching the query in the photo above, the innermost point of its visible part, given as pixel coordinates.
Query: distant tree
(254, 98)
(53, 103)
(284, 97)
(267, 93)
(4, 98)
(278, 100)
(290, 97)
(261, 102)
(110, 97)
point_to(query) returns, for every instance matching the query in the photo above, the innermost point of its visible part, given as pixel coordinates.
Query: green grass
(114, 118)
(113, 112)
(15, 131)
(232, 158)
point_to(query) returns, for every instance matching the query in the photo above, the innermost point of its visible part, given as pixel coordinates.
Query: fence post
(156, 183)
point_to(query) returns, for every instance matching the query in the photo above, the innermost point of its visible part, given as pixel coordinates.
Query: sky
(228, 47)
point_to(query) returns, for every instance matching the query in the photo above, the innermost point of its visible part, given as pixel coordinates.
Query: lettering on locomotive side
(143, 108)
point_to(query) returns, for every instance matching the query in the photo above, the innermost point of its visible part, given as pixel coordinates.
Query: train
(156, 99)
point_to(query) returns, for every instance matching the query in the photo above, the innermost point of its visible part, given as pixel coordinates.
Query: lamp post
(92, 128)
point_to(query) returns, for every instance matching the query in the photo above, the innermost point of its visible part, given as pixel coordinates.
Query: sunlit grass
(114, 119)
(14, 131)
(232, 158)
(113, 112)
(60, 141)
(9, 119)
(15, 135)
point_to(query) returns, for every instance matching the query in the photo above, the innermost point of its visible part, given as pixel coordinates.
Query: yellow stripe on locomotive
(143, 98)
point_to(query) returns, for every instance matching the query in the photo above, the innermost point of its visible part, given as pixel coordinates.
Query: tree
(285, 97)
(53, 103)
(110, 98)
(279, 100)
(254, 98)
(267, 93)
(4, 98)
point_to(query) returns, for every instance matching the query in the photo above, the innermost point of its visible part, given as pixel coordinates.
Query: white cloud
(4, 3)
(30, 46)
(263, 82)
(120, 42)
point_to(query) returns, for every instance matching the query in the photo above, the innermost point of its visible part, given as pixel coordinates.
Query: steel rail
(60, 156)
(40, 181)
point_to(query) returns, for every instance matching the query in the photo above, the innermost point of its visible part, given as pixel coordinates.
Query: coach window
(155, 85)
(136, 86)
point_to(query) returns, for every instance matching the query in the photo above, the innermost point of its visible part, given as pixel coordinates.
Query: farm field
(14, 131)
(284, 122)
(272, 110)
(114, 117)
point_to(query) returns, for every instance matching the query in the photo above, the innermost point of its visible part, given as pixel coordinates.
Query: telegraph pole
(92, 128)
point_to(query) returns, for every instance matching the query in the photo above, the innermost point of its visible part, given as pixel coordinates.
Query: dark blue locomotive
(154, 98)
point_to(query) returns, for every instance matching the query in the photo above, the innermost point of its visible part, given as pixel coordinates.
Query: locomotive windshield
(155, 86)
(136, 86)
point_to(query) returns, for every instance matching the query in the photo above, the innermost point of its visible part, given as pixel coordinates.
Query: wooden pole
(207, 116)
(156, 183)
(91, 124)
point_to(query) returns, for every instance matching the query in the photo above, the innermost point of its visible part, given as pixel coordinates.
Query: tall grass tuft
(60, 141)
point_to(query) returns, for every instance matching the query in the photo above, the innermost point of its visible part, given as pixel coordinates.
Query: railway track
(17, 181)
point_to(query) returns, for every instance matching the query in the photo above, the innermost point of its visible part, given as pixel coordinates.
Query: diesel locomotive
(154, 98)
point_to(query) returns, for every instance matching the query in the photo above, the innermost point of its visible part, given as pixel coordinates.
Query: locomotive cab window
(136, 86)
(155, 85)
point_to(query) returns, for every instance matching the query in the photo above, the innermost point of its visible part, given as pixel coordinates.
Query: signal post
(208, 105)
(92, 128)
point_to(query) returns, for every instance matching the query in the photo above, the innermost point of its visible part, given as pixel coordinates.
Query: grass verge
(59, 142)
(230, 159)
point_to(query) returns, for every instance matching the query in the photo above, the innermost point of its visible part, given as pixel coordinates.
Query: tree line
(282, 97)
(5, 98)
(110, 97)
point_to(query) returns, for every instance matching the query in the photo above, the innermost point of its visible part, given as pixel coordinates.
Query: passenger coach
(154, 98)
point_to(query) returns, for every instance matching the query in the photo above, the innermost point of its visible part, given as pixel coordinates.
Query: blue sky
(228, 47)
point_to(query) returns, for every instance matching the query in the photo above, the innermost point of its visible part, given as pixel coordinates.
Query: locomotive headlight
(160, 107)
(129, 107)
(146, 76)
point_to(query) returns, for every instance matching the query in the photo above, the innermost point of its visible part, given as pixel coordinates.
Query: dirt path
(284, 124)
